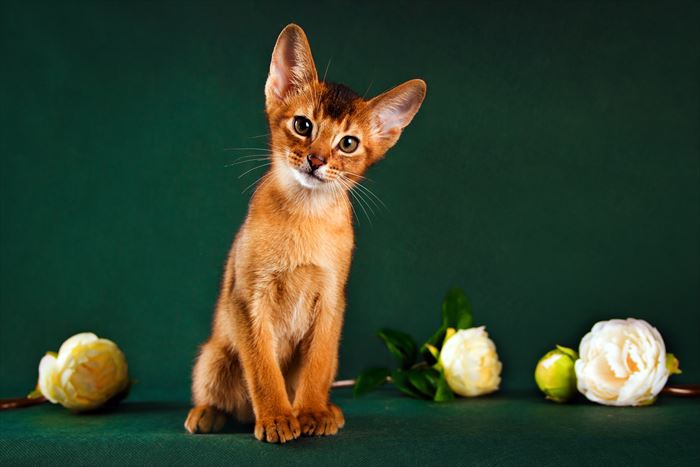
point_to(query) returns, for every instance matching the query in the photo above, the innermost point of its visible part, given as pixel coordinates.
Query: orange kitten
(273, 351)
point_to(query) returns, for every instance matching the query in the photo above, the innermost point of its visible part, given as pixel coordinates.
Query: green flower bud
(555, 374)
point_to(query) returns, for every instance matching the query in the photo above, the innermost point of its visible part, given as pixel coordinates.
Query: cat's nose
(315, 161)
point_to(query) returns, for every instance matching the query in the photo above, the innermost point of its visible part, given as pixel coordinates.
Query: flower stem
(682, 390)
(348, 383)
(20, 402)
(343, 383)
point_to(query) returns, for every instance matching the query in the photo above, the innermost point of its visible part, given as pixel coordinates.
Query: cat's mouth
(308, 179)
(303, 172)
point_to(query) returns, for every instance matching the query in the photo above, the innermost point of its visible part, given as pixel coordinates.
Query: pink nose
(315, 161)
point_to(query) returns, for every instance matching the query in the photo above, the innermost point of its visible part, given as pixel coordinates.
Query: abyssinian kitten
(273, 350)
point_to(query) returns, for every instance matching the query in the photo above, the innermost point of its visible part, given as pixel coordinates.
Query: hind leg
(218, 389)
(205, 419)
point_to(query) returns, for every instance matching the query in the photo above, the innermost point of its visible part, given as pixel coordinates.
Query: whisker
(246, 149)
(247, 161)
(371, 194)
(351, 206)
(244, 157)
(364, 198)
(254, 182)
(366, 189)
(252, 156)
(264, 177)
(362, 206)
(327, 66)
(352, 184)
(250, 170)
(356, 196)
(359, 176)
(267, 149)
(367, 90)
(367, 197)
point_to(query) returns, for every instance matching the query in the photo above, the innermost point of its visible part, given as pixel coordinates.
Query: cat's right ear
(292, 65)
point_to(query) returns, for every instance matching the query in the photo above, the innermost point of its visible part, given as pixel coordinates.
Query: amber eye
(348, 144)
(303, 126)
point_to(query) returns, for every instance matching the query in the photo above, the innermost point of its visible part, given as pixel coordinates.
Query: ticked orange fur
(273, 351)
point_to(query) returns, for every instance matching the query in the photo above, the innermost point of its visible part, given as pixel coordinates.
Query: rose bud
(555, 374)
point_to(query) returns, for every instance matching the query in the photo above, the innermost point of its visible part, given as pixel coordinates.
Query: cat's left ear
(292, 65)
(395, 109)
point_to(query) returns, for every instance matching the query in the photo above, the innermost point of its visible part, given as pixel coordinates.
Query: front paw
(324, 422)
(277, 429)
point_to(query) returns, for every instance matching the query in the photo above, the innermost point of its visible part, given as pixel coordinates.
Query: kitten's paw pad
(279, 429)
(321, 422)
(205, 419)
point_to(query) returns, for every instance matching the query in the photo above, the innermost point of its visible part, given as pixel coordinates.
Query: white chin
(306, 180)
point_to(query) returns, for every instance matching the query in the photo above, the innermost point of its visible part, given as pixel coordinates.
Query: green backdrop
(553, 172)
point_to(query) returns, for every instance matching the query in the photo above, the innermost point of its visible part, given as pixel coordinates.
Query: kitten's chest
(319, 246)
(317, 243)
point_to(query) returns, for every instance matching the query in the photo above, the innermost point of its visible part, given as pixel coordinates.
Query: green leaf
(431, 349)
(421, 379)
(400, 344)
(457, 314)
(369, 380)
(443, 392)
(433, 376)
(456, 310)
(403, 384)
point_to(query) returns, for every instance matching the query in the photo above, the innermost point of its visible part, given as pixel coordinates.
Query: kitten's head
(323, 134)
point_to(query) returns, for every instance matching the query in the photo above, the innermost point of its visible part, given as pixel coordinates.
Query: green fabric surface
(381, 429)
(553, 172)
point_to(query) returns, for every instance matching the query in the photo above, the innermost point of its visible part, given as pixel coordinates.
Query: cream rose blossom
(86, 372)
(470, 362)
(622, 362)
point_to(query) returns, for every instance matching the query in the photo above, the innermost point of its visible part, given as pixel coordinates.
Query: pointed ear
(292, 65)
(395, 109)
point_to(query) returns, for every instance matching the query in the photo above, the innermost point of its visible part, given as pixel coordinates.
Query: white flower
(86, 372)
(622, 362)
(471, 363)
